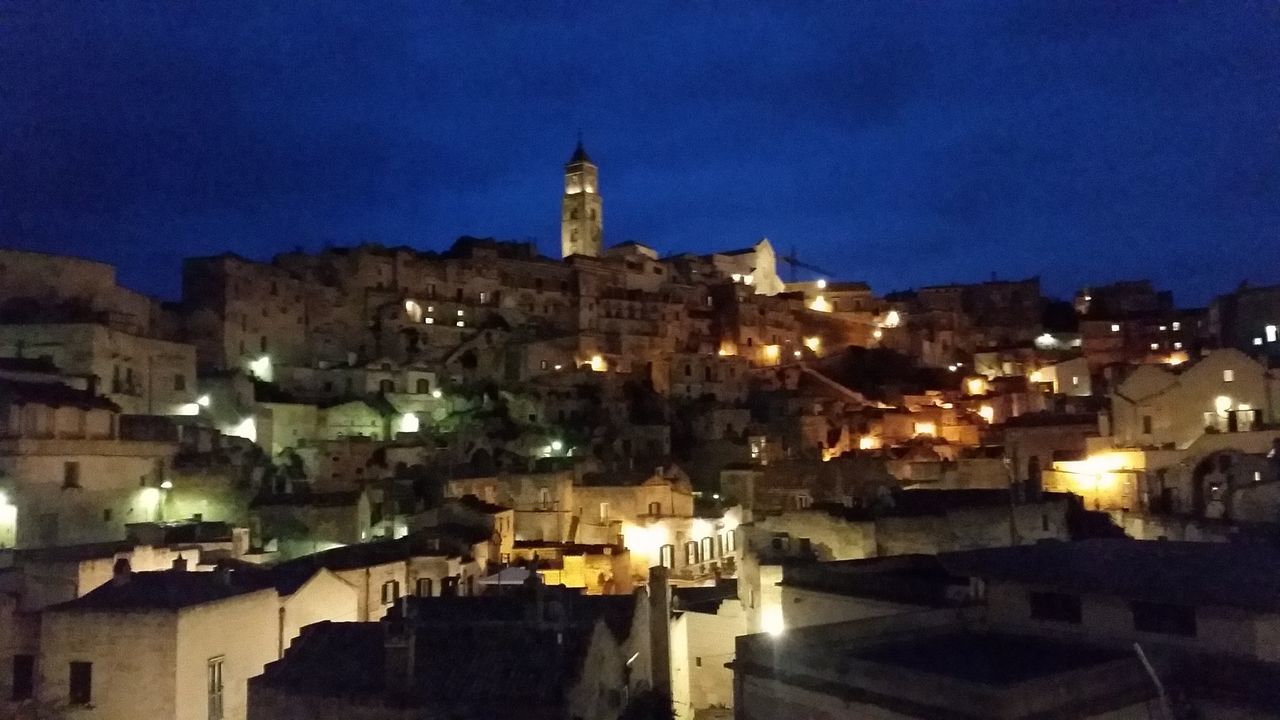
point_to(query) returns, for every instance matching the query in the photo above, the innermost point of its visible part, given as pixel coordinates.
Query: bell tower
(582, 210)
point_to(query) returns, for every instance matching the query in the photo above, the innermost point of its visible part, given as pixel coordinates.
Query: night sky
(896, 142)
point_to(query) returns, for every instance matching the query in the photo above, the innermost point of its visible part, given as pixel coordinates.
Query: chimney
(121, 572)
(180, 563)
(660, 627)
(399, 640)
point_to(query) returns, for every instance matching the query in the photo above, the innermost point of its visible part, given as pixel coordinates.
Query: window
(24, 677)
(708, 549)
(667, 556)
(1177, 326)
(655, 508)
(426, 587)
(691, 553)
(484, 298)
(544, 498)
(1146, 424)
(386, 386)
(106, 515)
(1055, 607)
(1271, 333)
(604, 511)
(1164, 618)
(214, 675)
(1115, 328)
(390, 591)
(262, 343)
(179, 382)
(424, 386)
(70, 474)
(1228, 376)
(81, 682)
(731, 541)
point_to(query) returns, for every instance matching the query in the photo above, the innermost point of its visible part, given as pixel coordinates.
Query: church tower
(582, 211)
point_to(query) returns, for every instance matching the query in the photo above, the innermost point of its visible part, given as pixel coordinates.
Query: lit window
(429, 321)
(1075, 380)
(459, 313)
(1163, 328)
(1177, 346)
(1228, 375)
(1177, 326)
(1155, 346)
(1257, 341)
(1115, 328)
(1271, 333)
(461, 324)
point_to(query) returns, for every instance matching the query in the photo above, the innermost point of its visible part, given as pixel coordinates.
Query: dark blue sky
(903, 143)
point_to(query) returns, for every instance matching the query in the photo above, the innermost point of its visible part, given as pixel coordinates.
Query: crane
(794, 261)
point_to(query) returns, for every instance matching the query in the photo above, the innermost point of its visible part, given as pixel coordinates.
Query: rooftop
(486, 672)
(1235, 575)
(165, 590)
(986, 658)
(52, 394)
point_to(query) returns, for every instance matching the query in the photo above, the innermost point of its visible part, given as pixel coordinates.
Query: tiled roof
(165, 590)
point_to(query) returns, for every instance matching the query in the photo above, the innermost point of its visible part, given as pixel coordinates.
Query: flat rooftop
(989, 659)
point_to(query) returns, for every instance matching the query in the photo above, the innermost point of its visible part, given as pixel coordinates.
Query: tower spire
(581, 210)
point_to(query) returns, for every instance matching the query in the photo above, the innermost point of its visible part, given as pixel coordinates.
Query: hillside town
(390, 482)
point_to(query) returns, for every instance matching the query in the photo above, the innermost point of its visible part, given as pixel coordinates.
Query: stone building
(582, 210)
(1045, 630)
(68, 471)
(1225, 391)
(550, 654)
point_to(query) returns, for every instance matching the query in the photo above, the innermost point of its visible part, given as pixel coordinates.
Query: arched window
(424, 386)
(387, 386)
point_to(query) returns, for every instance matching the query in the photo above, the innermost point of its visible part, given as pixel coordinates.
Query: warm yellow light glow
(748, 279)
(1222, 404)
(727, 348)
(261, 368)
(820, 304)
(149, 497)
(1037, 376)
(188, 409)
(409, 423)
(868, 442)
(203, 401)
(797, 354)
(813, 343)
(926, 428)
(1176, 358)
(891, 319)
(771, 621)
(598, 363)
(988, 413)
(771, 352)
(246, 428)
(413, 310)
(822, 284)
(556, 446)
(437, 394)
(877, 333)
(644, 540)
(976, 386)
